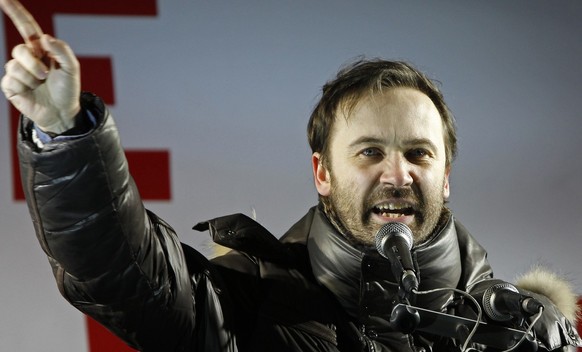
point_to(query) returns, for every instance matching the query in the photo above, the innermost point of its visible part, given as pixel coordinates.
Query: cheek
(362, 181)
(433, 182)
(348, 186)
(358, 180)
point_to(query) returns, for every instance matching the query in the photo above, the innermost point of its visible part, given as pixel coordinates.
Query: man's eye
(370, 152)
(417, 154)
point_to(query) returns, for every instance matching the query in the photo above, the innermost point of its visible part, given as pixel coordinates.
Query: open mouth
(393, 210)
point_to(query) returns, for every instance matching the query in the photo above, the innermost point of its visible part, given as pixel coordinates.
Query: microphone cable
(472, 299)
(479, 319)
(528, 330)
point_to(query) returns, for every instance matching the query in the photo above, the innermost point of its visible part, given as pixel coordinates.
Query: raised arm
(42, 80)
(111, 258)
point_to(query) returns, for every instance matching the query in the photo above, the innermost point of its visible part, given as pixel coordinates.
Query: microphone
(394, 242)
(503, 301)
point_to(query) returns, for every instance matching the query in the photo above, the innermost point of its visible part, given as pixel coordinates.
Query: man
(383, 142)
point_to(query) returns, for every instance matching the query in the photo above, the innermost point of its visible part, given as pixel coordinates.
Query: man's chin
(366, 237)
(412, 221)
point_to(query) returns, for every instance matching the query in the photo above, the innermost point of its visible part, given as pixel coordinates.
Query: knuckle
(6, 89)
(19, 50)
(10, 66)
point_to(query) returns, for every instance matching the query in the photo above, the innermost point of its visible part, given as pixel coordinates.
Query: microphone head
(490, 297)
(393, 229)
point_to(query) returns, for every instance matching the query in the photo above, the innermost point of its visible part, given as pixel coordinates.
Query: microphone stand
(407, 318)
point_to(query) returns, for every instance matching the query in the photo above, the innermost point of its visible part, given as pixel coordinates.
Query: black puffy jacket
(309, 291)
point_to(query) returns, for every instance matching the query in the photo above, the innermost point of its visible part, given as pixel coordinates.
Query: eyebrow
(375, 140)
(366, 140)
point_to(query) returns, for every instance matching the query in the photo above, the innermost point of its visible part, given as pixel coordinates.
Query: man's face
(386, 163)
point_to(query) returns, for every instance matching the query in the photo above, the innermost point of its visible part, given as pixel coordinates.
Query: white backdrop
(227, 87)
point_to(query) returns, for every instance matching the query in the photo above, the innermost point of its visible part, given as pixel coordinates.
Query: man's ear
(446, 184)
(320, 175)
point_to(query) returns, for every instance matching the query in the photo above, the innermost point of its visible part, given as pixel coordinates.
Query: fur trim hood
(542, 281)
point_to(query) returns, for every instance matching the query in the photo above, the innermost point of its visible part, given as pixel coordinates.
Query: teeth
(392, 206)
(390, 210)
(392, 215)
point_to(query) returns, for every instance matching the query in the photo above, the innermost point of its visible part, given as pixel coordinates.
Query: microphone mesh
(489, 301)
(393, 229)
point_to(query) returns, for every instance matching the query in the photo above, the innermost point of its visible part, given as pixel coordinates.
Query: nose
(396, 172)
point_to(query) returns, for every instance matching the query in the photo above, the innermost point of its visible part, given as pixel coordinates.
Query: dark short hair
(363, 77)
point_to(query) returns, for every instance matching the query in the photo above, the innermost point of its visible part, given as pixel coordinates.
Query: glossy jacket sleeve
(112, 259)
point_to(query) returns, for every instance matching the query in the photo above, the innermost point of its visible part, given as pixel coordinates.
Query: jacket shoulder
(270, 280)
(241, 233)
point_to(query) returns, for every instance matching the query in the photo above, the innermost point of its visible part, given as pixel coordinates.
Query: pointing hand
(43, 78)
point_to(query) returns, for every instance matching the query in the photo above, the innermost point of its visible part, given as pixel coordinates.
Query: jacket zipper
(367, 340)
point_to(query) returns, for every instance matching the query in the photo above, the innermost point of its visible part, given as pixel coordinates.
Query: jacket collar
(335, 262)
(337, 265)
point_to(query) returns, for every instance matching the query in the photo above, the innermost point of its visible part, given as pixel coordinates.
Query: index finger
(24, 23)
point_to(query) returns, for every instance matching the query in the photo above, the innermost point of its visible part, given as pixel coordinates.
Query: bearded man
(383, 141)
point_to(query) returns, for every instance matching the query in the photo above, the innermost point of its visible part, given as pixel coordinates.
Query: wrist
(65, 123)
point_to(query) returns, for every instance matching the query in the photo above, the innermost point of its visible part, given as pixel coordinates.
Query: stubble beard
(354, 221)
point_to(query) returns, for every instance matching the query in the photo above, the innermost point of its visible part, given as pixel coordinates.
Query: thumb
(61, 53)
